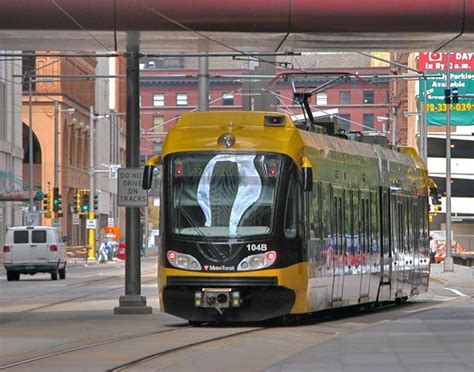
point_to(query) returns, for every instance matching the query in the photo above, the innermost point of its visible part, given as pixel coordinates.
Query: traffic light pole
(133, 302)
(91, 253)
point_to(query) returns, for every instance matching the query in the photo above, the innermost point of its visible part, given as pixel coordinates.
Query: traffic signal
(77, 201)
(96, 202)
(57, 207)
(47, 205)
(455, 93)
(447, 96)
(47, 202)
(85, 201)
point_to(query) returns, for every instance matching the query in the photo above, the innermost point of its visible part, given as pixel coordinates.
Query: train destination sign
(130, 191)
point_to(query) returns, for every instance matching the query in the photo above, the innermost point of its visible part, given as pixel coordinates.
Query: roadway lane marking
(459, 293)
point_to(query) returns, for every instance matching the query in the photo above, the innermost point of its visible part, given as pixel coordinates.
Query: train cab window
(292, 207)
(223, 195)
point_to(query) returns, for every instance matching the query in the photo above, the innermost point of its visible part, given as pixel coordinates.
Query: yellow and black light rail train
(260, 219)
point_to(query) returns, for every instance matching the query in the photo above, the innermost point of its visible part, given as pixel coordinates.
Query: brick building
(167, 91)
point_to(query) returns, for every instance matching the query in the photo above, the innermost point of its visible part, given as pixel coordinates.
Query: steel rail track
(87, 346)
(179, 348)
(19, 314)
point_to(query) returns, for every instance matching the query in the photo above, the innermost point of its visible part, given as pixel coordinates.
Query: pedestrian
(432, 249)
(103, 253)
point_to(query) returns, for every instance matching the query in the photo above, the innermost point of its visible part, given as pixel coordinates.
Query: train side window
(315, 212)
(291, 214)
(325, 209)
(355, 222)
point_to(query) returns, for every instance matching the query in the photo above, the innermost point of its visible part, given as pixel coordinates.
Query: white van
(34, 249)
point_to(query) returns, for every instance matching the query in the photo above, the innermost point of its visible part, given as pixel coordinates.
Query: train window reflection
(225, 195)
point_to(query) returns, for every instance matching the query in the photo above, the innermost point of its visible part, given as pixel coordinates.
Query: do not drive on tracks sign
(130, 191)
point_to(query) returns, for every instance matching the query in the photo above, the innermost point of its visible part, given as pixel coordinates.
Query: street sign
(75, 219)
(113, 169)
(56, 222)
(91, 224)
(110, 222)
(130, 191)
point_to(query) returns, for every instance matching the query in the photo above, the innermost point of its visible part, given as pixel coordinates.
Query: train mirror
(147, 177)
(150, 165)
(308, 179)
(307, 171)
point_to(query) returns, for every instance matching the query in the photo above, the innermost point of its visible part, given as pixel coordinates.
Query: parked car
(34, 249)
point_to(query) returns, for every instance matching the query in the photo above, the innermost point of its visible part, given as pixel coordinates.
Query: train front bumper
(259, 298)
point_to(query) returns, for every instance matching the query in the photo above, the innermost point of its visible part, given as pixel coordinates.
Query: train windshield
(223, 195)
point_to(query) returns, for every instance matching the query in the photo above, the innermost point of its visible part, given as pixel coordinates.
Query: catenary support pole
(203, 83)
(91, 232)
(30, 141)
(423, 123)
(448, 261)
(133, 302)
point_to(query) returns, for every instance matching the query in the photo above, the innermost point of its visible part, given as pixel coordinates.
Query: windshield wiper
(191, 221)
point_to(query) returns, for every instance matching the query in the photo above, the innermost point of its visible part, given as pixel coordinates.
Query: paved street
(70, 325)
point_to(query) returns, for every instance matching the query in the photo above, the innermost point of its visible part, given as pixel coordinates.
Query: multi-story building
(67, 83)
(73, 133)
(11, 146)
(167, 92)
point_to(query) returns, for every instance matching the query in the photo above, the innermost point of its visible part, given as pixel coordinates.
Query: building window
(368, 121)
(368, 98)
(321, 99)
(345, 121)
(158, 123)
(387, 96)
(158, 100)
(228, 99)
(345, 98)
(181, 99)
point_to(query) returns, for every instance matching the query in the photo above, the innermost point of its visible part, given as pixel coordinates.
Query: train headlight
(257, 261)
(183, 261)
(226, 140)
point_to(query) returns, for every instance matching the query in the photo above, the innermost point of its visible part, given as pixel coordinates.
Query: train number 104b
(256, 247)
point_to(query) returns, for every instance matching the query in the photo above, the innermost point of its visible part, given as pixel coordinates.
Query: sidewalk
(461, 276)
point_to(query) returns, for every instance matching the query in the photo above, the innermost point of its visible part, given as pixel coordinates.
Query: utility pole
(30, 140)
(448, 261)
(91, 254)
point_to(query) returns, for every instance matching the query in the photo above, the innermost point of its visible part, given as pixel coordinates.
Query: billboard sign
(461, 77)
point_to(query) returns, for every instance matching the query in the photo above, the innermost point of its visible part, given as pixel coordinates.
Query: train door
(395, 241)
(410, 246)
(399, 253)
(351, 281)
(339, 245)
(374, 246)
(365, 243)
(417, 236)
(385, 249)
